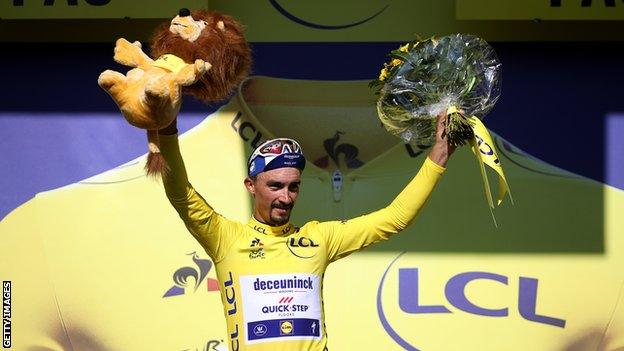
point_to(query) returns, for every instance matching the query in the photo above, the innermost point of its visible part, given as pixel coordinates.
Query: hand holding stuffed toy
(203, 54)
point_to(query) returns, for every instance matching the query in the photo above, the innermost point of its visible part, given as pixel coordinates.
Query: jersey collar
(267, 90)
(262, 228)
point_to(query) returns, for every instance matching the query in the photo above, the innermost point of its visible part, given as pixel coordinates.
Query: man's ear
(251, 187)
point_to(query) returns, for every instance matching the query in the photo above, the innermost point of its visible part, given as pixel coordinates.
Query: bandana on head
(276, 153)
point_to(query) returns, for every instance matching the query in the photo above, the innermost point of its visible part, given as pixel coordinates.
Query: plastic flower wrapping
(459, 73)
(457, 76)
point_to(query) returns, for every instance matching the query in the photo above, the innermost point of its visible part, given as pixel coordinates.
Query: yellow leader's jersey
(106, 264)
(271, 278)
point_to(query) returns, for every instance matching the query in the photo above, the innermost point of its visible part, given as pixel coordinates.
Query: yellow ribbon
(482, 146)
(170, 62)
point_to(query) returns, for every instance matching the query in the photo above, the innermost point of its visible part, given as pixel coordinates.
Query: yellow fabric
(106, 264)
(256, 251)
(483, 148)
(169, 62)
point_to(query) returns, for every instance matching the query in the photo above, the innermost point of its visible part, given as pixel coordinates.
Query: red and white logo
(286, 299)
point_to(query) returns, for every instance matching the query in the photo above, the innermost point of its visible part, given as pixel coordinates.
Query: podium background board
(289, 21)
(559, 123)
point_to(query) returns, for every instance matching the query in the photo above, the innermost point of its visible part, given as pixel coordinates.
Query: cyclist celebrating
(271, 271)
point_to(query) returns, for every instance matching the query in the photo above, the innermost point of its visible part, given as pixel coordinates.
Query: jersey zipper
(337, 182)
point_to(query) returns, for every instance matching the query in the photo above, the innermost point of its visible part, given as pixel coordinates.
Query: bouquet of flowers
(459, 72)
(458, 75)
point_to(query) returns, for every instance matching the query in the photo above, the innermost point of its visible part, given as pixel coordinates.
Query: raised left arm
(343, 238)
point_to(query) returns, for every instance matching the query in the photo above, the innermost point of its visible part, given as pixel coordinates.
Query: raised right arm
(213, 231)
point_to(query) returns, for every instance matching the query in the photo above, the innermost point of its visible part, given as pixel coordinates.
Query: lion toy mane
(203, 53)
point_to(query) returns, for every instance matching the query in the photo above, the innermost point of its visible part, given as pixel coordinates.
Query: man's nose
(284, 196)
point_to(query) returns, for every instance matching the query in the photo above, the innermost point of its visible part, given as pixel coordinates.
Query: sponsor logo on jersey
(259, 229)
(256, 242)
(284, 309)
(286, 327)
(283, 284)
(286, 299)
(232, 309)
(198, 273)
(301, 241)
(259, 329)
(258, 253)
(291, 328)
(410, 284)
(285, 230)
(302, 247)
(270, 300)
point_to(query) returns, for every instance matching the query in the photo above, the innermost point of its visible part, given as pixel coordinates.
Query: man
(270, 271)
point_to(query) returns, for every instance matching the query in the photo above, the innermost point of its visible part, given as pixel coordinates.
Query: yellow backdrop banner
(92, 9)
(596, 10)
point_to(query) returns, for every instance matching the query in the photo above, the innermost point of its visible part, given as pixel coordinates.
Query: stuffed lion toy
(203, 54)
